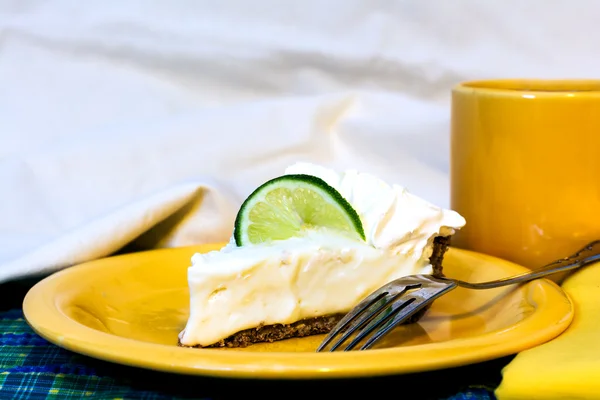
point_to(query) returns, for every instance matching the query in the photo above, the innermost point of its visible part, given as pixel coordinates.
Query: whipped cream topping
(392, 217)
(321, 273)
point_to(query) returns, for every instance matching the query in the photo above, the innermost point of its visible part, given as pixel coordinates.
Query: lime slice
(288, 205)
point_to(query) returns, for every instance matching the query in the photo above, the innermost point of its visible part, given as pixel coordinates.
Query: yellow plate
(129, 309)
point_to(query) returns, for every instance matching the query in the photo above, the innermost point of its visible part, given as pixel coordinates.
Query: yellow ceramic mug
(525, 167)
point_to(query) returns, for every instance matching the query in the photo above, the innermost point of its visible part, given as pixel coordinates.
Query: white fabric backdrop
(121, 118)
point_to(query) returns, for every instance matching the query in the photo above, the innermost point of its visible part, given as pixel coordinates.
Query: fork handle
(588, 254)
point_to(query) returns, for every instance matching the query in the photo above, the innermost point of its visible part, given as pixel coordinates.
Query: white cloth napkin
(150, 121)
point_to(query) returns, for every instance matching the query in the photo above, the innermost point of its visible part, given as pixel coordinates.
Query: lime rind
(287, 215)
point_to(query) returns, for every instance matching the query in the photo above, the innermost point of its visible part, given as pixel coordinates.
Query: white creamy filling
(321, 273)
(286, 281)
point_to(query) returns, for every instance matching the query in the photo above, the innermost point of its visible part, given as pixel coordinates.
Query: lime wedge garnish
(288, 205)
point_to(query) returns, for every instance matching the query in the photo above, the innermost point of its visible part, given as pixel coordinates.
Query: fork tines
(383, 310)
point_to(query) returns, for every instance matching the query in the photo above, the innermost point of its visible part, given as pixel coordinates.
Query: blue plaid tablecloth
(32, 368)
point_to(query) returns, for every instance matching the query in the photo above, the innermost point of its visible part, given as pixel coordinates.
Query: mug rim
(535, 87)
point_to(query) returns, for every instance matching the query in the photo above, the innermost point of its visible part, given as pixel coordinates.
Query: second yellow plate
(129, 309)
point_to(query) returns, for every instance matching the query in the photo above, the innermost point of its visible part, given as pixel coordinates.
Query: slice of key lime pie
(306, 247)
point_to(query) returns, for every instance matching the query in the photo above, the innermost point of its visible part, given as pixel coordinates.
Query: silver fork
(396, 302)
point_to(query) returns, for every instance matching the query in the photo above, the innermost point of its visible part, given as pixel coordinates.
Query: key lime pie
(306, 247)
